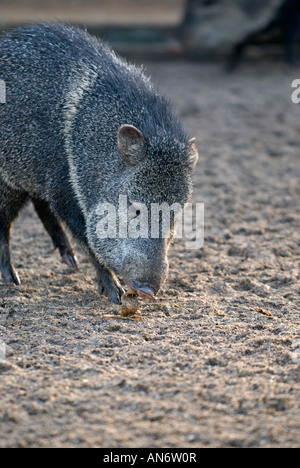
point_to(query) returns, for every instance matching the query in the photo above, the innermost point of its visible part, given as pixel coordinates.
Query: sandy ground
(216, 361)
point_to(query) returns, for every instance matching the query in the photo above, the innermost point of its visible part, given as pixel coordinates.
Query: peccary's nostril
(145, 292)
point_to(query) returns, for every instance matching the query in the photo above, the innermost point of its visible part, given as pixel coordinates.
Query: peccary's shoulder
(52, 41)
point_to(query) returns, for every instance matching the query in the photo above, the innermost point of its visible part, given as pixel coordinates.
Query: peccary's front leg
(57, 233)
(108, 283)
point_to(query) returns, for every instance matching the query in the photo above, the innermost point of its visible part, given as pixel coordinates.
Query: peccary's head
(127, 230)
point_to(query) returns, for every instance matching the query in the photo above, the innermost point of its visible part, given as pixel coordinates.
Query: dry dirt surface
(216, 361)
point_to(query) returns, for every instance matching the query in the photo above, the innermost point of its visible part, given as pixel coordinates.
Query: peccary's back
(61, 82)
(36, 63)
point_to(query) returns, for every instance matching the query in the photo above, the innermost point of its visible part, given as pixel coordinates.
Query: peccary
(81, 126)
(229, 26)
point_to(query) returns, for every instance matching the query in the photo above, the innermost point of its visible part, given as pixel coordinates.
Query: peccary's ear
(131, 145)
(193, 153)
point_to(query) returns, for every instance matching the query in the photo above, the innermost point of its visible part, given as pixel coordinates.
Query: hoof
(10, 275)
(112, 290)
(70, 261)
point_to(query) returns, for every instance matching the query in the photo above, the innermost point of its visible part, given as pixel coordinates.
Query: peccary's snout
(145, 292)
(146, 274)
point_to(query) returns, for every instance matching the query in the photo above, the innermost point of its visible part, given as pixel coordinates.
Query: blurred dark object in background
(134, 28)
(162, 29)
(229, 26)
(93, 12)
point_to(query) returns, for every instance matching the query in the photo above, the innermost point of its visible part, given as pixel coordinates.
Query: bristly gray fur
(67, 94)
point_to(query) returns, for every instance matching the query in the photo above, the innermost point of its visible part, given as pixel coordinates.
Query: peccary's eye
(134, 210)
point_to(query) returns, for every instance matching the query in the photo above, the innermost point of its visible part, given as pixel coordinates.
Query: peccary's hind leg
(8, 271)
(11, 201)
(57, 233)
